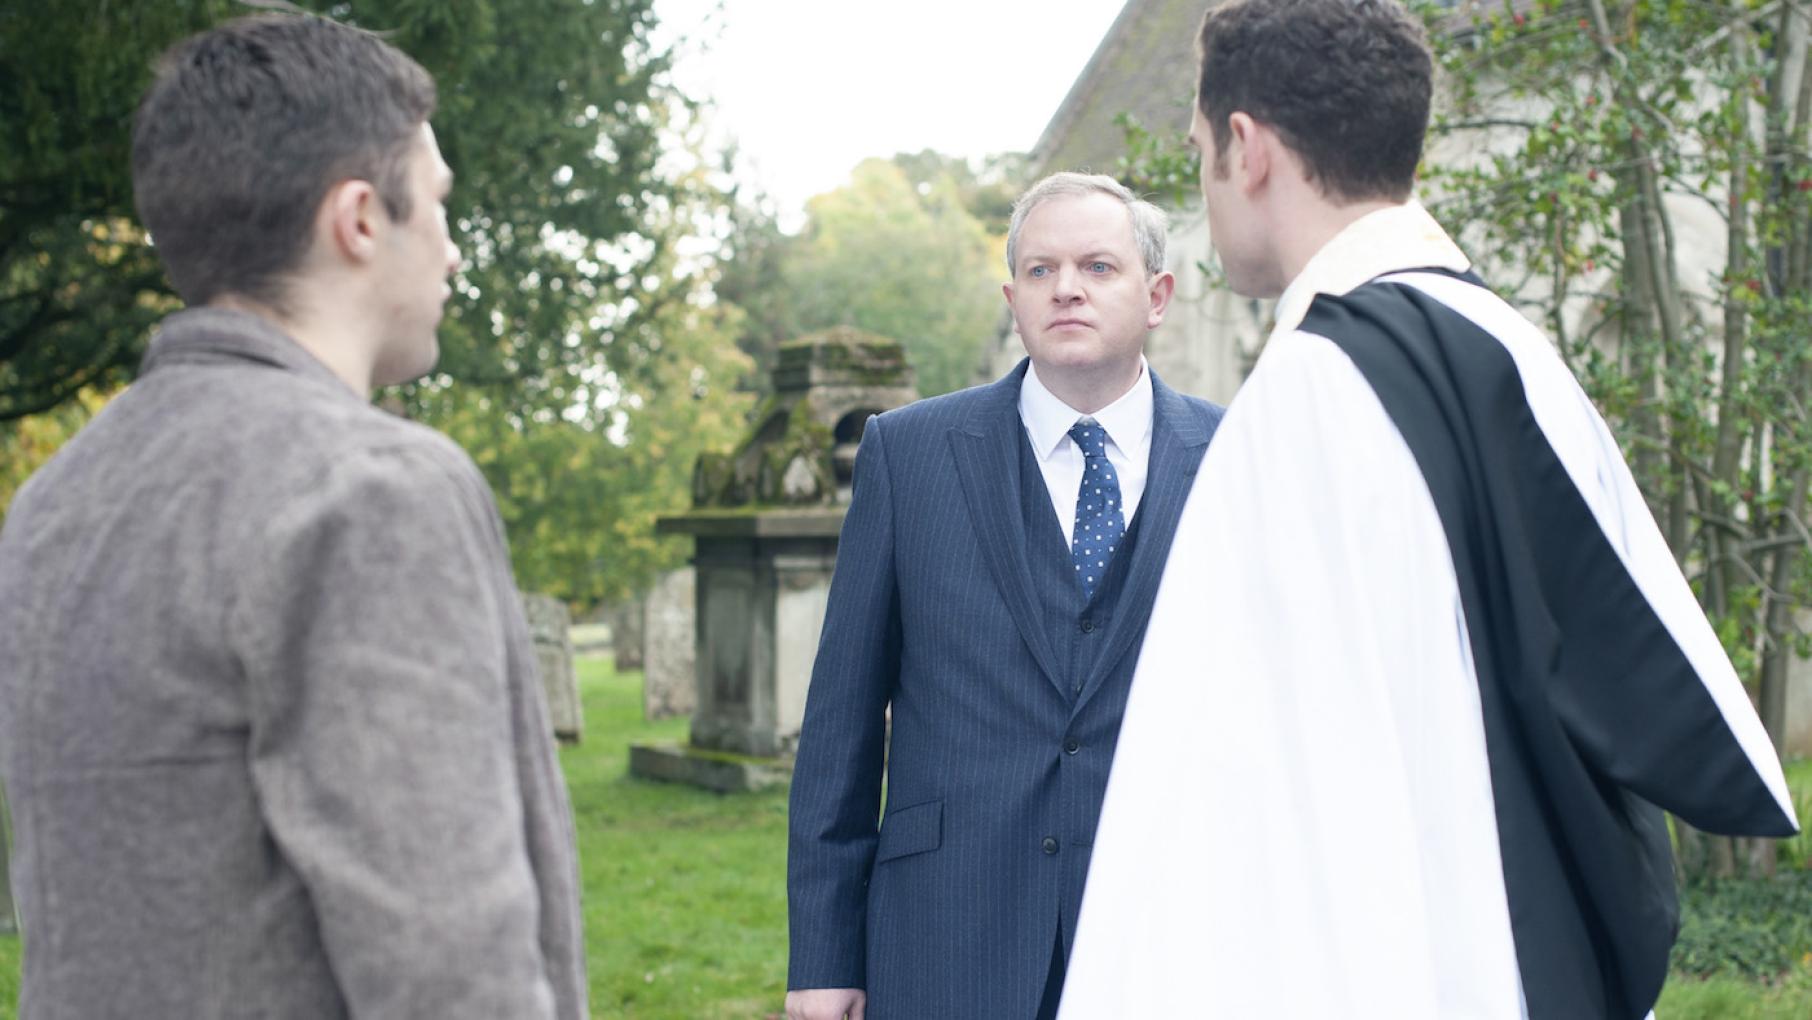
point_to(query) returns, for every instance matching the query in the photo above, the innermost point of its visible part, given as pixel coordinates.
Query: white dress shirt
(1127, 422)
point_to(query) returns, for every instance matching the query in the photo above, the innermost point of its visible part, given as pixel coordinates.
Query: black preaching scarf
(1593, 713)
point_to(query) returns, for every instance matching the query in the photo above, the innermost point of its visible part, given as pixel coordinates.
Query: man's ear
(1251, 156)
(1006, 289)
(348, 220)
(1163, 287)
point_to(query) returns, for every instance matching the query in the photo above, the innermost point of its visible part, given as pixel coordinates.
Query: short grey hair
(1149, 224)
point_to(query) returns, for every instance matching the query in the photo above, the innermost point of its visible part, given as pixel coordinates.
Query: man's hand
(826, 1004)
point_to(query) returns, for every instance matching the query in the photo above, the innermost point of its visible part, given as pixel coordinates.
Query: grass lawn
(1739, 930)
(685, 899)
(685, 891)
(1727, 998)
(9, 975)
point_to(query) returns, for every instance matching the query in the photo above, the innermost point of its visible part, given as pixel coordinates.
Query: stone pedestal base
(762, 589)
(713, 770)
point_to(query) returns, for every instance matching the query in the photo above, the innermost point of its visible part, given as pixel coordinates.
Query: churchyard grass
(685, 902)
(685, 891)
(9, 975)
(1729, 998)
(1745, 949)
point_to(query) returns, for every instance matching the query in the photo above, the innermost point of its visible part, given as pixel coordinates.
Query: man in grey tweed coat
(269, 718)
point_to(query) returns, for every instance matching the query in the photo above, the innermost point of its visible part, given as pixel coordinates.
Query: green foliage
(1165, 168)
(78, 286)
(986, 188)
(1161, 166)
(909, 262)
(551, 114)
(579, 491)
(908, 249)
(1753, 928)
(27, 442)
(582, 363)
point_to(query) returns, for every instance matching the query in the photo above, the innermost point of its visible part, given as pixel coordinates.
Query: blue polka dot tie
(1099, 522)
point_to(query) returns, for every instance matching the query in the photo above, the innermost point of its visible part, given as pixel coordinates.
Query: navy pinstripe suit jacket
(999, 759)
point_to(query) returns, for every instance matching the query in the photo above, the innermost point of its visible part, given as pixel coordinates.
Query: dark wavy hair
(1345, 83)
(246, 127)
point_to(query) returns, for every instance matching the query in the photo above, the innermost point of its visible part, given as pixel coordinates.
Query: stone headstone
(670, 644)
(551, 626)
(626, 645)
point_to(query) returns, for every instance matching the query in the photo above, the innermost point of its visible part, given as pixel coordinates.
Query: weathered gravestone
(551, 626)
(669, 643)
(626, 645)
(764, 525)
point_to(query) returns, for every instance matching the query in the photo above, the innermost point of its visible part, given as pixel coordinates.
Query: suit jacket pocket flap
(911, 830)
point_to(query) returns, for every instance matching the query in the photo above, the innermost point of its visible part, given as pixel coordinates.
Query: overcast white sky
(810, 88)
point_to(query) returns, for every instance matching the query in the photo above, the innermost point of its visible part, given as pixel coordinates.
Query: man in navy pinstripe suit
(995, 571)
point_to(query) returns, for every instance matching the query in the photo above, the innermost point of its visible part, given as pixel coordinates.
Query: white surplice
(1301, 819)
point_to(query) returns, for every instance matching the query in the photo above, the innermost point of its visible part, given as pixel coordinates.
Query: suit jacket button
(1050, 844)
(1088, 626)
(1071, 746)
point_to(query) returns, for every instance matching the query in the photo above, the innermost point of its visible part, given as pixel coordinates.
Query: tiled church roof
(1145, 66)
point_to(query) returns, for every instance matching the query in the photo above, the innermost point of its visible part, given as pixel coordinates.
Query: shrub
(1756, 928)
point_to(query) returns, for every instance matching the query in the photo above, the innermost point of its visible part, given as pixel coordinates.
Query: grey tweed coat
(269, 719)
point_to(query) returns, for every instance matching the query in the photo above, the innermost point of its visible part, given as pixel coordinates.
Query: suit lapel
(1179, 437)
(986, 451)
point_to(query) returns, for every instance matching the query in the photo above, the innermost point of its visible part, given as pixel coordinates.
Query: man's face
(418, 257)
(1080, 298)
(1234, 226)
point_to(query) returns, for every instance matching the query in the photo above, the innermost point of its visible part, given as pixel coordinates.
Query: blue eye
(1037, 272)
(1097, 267)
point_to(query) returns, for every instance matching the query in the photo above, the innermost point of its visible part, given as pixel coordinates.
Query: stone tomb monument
(764, 522)
(551, 626)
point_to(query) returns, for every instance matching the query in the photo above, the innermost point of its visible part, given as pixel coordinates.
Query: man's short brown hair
(245, 129)
(1345, 83)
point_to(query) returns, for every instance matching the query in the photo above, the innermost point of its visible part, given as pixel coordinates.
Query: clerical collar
(1385, 241)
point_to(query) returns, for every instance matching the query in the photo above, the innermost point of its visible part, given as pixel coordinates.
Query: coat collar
(214, 336)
